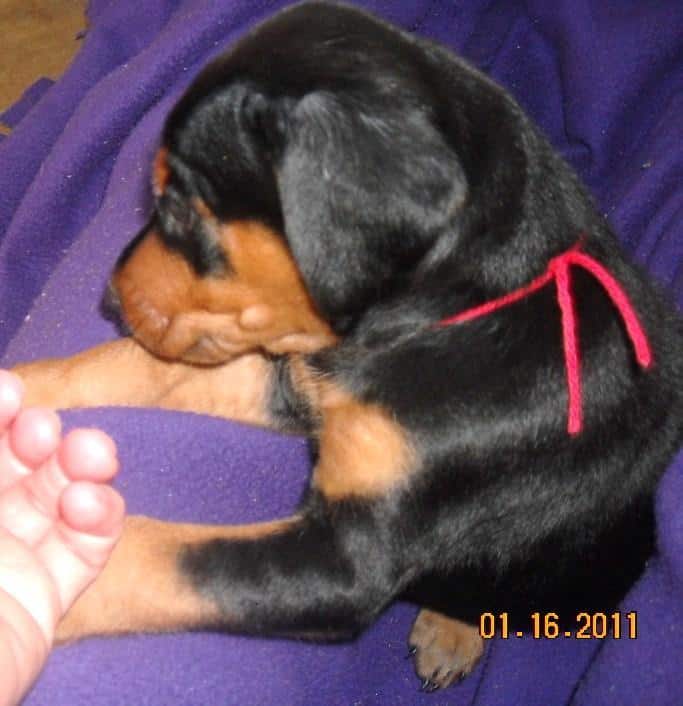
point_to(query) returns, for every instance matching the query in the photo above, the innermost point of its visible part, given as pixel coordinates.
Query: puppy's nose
(110, 308)
(111, 302)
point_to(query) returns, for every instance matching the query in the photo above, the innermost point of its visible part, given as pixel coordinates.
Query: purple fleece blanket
(604, 81)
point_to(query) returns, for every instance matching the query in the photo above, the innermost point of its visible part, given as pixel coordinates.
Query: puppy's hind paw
(445, 650)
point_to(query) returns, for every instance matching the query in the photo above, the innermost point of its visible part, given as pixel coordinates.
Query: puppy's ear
(266, 119)
(366, 189)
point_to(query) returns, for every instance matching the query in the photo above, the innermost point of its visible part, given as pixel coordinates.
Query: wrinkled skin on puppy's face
(216, 291)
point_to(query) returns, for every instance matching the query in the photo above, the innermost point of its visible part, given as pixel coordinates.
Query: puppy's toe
(445, 650)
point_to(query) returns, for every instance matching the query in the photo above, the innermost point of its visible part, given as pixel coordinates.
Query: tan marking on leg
(237, 390)
(122, 373)
(364, 452)
(141, 588)
(119, 372)
(446, 649)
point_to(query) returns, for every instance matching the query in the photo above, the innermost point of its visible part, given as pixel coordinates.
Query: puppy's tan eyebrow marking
(161, 172)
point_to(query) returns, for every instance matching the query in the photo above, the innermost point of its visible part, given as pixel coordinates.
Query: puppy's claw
(428, 686)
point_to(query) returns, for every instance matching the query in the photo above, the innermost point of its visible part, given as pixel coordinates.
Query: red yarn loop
(559, 269)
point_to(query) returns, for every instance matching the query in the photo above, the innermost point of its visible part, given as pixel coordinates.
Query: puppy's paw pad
(445, 650)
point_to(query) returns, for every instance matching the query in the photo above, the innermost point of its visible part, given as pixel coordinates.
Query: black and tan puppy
(358, 237)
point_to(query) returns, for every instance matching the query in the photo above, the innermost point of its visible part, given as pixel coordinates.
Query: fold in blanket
(602, 79)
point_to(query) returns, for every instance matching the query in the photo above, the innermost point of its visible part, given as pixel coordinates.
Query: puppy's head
(200, 288)
(303, 179)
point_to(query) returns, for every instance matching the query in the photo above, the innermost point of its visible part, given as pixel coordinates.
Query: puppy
(358, 237)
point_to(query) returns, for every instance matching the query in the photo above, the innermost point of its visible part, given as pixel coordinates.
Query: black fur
(409, 187)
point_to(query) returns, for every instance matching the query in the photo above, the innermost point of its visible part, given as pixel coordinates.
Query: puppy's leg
(123, 373)
(326, 572)
(445, 649)
(290, 577)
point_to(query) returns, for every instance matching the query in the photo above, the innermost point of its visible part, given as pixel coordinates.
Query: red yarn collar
(559, 269)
